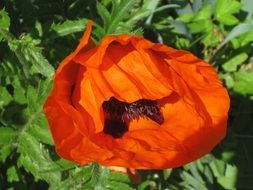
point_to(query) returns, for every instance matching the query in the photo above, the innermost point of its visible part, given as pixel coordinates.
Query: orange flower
(132, 103)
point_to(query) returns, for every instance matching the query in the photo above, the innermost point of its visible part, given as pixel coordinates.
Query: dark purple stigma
(121, 113)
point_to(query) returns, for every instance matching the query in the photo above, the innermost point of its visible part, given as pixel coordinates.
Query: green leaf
(120, 177)
(4, 20)
(181, 28)
(27, 51)
(151, 6)
(244, 87)
(204, 13)
(208, 174)
(41, 131)
(12, 175)
(200, 26)
(68, 27)
(36, 95)
(120, 12)
(7, 137)
(211, 39)
(148, 184)
(19, 91)
(104, 13)
(224, 11)
(229, 180)
(115, 185)
(167, 173)
(243, 75)
(36, 160)
(228, 155)
(199, 22)
(234, 62)
(195, 173)
(243, 40)
(5, 97)
(237, 31)
(192, 181)
(78, 179)
(247, 7)
(229, 80)
(99, 176)
(217, 167)
(186, 17)
(40, 62)
(137, 16)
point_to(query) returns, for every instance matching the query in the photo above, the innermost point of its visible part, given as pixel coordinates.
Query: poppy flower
(132, 103)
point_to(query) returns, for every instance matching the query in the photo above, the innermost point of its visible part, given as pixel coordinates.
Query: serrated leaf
(69, 27)
(8, 69)
(7, 137)
(40, 62)
(78, 179)
(99, 176)
(35, 159)
(19, 91)
(41, 132)
(137, 16)
(5, 97)
(27, 51)
(234, 62)
(120, 11)
(65, 164)
(224, 11)
(36, 96)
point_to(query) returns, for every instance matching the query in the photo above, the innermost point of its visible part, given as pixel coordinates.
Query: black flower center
(118, 114)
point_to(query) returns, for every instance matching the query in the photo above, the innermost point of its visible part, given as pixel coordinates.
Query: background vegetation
(35, 35)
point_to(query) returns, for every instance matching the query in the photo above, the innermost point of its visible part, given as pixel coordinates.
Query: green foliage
(234, 62)
(68, 27)
(4, 20)
(224, 11)
(36, 35)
